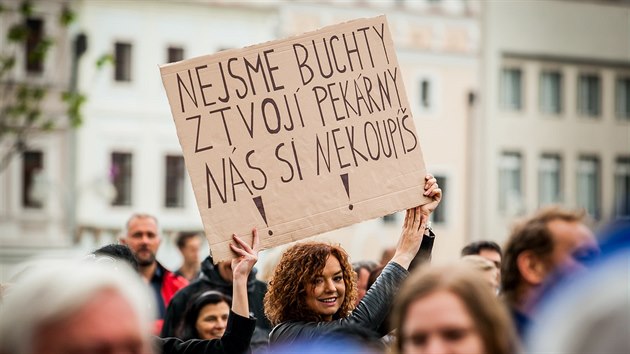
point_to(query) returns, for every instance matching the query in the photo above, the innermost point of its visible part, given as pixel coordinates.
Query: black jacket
(210, 279)
(235, 340)
(370, 313)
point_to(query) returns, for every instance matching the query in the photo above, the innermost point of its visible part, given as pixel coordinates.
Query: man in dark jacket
(218, 277)
(143, 238)
(100, 305)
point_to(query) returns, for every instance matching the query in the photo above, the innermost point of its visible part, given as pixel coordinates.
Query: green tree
(22, 109)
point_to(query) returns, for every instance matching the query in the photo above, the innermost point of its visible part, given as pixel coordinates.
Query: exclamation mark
(346, 185)
(261, 209)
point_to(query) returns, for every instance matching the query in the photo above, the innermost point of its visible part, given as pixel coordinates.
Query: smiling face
(440, 323)
(212, 320)
(325, 294)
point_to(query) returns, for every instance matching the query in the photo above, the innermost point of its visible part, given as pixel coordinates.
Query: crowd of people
(517, 298)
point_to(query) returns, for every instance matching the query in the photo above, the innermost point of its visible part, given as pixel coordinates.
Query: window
(510, 185)
(589, 92)
(588, 184)
(549, 180)
(175, 54)
(439, 214)
(122, 63)
(550, 92)
(622, 187)
(174, 187)
(32, 166)
(511, 89)
(622, 98)
(425, 94)
(35, 46)
(120, 173)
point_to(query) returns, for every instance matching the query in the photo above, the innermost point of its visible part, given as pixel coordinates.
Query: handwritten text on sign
(298, 136)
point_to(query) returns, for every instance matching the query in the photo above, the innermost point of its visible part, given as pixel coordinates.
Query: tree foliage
(22, 99)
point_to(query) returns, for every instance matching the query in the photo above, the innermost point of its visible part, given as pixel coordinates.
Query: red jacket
(170, 284)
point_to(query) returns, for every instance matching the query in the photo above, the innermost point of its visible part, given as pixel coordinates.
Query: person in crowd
(188, 244)
(348, 339)
(486, 267)
(206, 317)
(218, 277)
(115, 252)
(102, 306)
(450, 309)
(362, 269)
(143, 238)
(489, 250)
(586, 311)
(484, 248)
(551, 240)
(313, 288)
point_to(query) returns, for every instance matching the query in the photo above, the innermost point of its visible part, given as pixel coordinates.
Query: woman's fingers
(436, 194)
(408, 218)
(418, 223)
(255, 247)
(242, 244)
(430, 183)
(255, 240)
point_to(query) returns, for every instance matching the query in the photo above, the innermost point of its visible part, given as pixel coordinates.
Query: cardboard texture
(298, 136)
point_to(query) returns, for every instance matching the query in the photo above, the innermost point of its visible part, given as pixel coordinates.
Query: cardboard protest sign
(297, 136)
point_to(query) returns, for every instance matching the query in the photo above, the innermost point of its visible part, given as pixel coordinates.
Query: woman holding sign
(313, 288)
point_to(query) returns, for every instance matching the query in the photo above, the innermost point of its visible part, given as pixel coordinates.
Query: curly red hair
(285, 299)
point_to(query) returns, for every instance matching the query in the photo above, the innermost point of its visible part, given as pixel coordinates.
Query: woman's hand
(246, 256)
(242, 265)
(410, 238)
(431, 190)
(415, 223)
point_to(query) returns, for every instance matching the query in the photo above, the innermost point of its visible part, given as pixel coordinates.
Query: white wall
(571, 36)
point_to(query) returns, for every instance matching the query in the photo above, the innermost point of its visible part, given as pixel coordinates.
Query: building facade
(437, 45)
(517, 105)
(35, 196)
(554, 123)
(126, 154)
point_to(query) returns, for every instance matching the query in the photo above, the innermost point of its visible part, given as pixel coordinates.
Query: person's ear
(122, 241)
(531, 267)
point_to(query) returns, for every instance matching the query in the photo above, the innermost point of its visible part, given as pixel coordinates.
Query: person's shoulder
(290, 331)
(285, 331)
